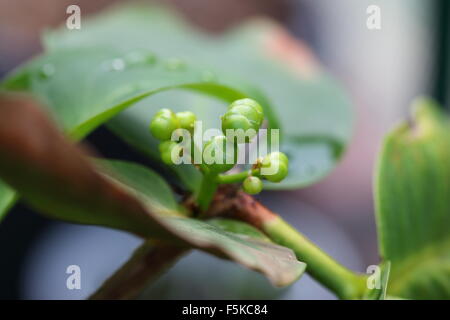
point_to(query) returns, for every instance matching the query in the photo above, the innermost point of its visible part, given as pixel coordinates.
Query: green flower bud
(236, 121)
(163, 124)
(219, 155)
(166, 148)
(280, 174)
(248, 111)
(243, 114)
(252, 185)
(166, 145)
(186, 119)
(277, 156)
(248, 102)
(280, 162)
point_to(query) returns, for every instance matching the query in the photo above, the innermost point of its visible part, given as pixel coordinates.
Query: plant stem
(344, 282)
(207, 190)
(146, 265)
(235, 178)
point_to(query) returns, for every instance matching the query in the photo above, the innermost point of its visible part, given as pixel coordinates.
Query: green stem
(207, 190)
(237, 177)
(344, 282)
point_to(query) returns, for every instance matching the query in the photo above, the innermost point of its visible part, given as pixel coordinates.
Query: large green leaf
(58, 179)
(116, 60)
(413, 207)
(313, 111)
(85, 87)
(144, 184)
(239, 227)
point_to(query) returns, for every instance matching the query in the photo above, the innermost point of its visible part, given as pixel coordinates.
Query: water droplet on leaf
(116, 64)
(208, 76)
(175, 64)
(140, 57)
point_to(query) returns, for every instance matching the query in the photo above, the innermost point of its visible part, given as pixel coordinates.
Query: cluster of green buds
(245, 115)
(280, 162)
(273, 167)
(162, 126)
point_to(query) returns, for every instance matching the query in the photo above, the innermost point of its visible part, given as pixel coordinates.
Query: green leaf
(233, 239)
(278, 263)
(314, 112)
(56, 178)
(239, 227)
(412, 207)
(143, 183)
(85, 87)
(82, 81)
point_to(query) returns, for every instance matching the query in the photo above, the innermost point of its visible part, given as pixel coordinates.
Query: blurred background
(381, 70)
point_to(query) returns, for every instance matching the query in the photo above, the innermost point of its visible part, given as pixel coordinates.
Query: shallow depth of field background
(382, 72)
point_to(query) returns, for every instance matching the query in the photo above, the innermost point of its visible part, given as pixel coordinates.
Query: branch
(147, 263)
(236, 204)
(237, 177)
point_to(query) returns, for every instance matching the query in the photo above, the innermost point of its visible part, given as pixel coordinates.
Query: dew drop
(175, 64)
(47, 70)
(208, 76)
(116, 64)
(140, 57)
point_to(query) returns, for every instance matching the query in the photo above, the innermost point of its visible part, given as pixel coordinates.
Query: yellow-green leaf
(413, 207)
